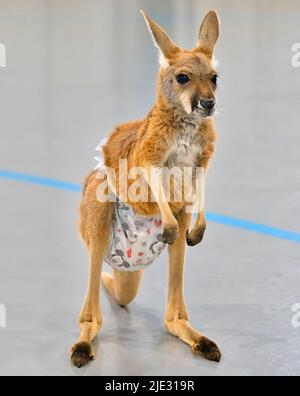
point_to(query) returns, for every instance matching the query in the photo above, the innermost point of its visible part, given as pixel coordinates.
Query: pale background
(74, 70)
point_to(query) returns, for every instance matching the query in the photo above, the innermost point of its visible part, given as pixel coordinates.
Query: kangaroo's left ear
(168, 49)
(208, 34)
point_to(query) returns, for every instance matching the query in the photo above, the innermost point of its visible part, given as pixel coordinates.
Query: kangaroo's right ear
(167, 48)
(209, 33)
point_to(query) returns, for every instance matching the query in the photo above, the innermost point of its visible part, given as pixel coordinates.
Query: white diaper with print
(136, 241)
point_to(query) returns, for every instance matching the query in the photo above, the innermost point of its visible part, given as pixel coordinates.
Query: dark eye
(182, 79)
(214, 79)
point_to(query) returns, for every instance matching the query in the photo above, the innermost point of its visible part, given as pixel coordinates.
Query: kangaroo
(178, 132)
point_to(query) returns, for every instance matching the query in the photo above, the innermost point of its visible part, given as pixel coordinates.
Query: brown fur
(144, 143)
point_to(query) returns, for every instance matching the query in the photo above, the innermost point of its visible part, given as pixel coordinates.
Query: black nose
(207, 104)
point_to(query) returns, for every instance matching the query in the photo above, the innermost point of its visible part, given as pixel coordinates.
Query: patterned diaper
(136, 241)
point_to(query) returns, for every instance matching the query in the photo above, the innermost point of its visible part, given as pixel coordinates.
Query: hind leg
(123, 286)
(90, 321)
(177, 318)
(95, 227)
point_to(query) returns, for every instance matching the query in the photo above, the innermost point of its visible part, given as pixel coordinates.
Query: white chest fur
(186, 148)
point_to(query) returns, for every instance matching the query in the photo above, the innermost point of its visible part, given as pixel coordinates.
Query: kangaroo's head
(188, 79)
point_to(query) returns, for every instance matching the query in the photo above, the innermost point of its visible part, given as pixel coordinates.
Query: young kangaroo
(178, 132)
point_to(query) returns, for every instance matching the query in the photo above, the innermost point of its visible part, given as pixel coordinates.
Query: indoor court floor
(74, 70)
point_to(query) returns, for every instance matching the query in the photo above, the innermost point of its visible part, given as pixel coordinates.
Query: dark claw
(82, 354)
(208, 349)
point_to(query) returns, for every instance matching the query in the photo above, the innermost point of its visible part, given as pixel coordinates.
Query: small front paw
(170, 234)
(195, 236)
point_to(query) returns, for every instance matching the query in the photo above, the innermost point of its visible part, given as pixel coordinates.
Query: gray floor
(74, 70)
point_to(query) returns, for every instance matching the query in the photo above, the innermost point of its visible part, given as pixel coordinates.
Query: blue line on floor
(254, 227)
(41, 181)
(213, 217)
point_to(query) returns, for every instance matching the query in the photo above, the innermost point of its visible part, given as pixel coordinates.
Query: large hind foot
(208, 349)
(81, 354)
(182, 329)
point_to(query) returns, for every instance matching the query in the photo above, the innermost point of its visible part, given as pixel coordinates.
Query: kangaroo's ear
(208, 33)
(167, 48)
